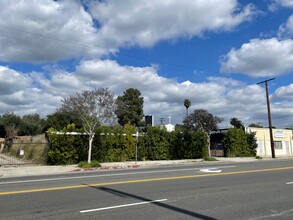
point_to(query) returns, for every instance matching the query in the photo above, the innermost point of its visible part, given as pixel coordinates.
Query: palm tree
(187, 104)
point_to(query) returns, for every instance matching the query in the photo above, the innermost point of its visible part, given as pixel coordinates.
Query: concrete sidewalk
(34, 170)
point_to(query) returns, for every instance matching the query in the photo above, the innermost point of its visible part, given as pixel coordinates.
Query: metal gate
(6, 159)
(19, 153)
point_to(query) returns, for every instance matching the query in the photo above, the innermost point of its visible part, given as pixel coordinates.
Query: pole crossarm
(265, 81)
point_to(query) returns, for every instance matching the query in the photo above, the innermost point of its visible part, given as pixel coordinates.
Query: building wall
(283, 137)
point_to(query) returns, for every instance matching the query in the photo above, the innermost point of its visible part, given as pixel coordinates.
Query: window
(278, 144)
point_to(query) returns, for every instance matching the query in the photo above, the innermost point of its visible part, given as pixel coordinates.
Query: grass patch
(93, 164)
(209, 159)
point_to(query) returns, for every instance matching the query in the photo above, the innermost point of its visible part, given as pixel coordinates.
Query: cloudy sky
(212, 52)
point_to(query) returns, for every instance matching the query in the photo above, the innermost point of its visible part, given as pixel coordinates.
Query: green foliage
(209, 159)
(236, 123)
(189, 144)
(93, 164)
(252, 143)
(12, 124)
(201, 119)
(155, 144)
(239, 144)
(65, 149)
(58, 120)
(107, 144)
(130, 108)
(255, 125)
(9, 124)
(31, 124)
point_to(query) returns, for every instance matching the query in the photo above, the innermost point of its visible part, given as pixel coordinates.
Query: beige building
(282, 140)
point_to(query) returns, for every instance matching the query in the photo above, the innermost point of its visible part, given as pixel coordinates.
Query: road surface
(255, 190)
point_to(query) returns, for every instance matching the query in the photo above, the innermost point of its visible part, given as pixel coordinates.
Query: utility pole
(269, 115)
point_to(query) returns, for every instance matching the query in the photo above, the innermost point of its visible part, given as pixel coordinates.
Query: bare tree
(92, 108)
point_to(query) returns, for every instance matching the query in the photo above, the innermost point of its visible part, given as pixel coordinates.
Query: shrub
(93, 164)
(239, 144)
(209, 159)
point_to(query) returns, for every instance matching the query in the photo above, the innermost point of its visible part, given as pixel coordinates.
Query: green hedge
(237, 143)
(119, 144)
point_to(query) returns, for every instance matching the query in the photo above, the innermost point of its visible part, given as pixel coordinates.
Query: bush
(93, 164)
(66, 149)
(237, 143)
(209, 159)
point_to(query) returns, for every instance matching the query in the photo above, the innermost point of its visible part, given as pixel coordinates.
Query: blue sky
(211, 52)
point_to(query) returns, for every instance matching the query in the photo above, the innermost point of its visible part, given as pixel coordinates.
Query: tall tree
(187, 104)
(236, 123)
(31, 124)
(10, 122)
(255, 125)
(92, 108)
(203, 120)
(130, 107)
(60, 119)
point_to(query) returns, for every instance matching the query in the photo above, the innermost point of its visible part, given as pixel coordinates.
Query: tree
(202, 119)
(187, 104)
(255, 125)
(92, 108)
(236, 123)
(239, 144)
(10, 123)
(60, 119)
(31, 124)
(130, 108)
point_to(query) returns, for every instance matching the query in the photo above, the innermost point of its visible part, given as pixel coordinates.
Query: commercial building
(282, 140)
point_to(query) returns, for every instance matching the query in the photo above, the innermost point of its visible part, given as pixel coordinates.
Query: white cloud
(146, 22)
(260, 58)
(286, 30)
(8, 81)
(48, 31)
(282, 3)
(40, 31)
(284, 93)
(223, 97)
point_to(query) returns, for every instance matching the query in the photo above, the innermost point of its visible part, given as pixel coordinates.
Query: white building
(282, 140)
(169, 127)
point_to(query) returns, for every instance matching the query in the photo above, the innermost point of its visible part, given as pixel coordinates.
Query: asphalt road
(255, 190)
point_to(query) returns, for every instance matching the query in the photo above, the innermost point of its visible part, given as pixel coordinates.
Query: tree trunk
(209, 143)
(91, 138)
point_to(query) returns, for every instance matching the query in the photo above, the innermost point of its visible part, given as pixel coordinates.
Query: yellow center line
(142, 180)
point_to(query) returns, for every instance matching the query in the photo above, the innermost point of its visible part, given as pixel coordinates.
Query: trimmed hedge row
(119, 144)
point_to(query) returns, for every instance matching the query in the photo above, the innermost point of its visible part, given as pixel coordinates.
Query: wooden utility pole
(269, 115)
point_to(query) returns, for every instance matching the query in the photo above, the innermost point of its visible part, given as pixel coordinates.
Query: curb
(106, 168)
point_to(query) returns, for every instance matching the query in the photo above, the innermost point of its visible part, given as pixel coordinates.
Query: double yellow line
(142, 181)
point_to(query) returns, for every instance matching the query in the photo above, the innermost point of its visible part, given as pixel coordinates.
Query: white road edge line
(122, 206)
(289, 183)
(107, 175)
